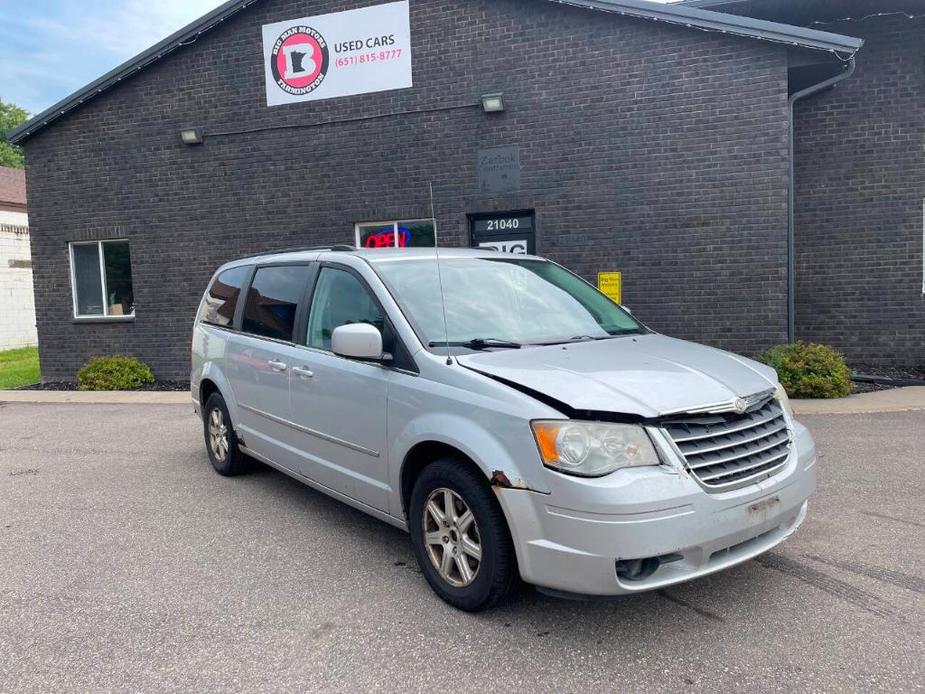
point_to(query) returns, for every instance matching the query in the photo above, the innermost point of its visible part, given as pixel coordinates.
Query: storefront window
(416, 233)
(101, 279)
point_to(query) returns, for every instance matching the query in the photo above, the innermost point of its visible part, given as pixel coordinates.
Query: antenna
(446, 326)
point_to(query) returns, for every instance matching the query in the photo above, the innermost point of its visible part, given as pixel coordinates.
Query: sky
(51, 48)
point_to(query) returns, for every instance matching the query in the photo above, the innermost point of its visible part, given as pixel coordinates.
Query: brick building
(859, 164)
(648, 139)
(17, 309)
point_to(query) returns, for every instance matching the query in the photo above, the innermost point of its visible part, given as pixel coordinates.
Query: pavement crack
(896, 578)
(829, 584)
(703, 612)
(892, 518)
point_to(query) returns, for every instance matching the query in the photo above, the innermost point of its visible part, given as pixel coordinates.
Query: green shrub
(808, 370)
(113, 373)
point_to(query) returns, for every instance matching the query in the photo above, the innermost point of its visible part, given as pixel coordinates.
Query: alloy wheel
(451, 537)
(218, 434)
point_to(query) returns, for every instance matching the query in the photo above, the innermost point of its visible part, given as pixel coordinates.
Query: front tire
(460, 537)
(221, 440)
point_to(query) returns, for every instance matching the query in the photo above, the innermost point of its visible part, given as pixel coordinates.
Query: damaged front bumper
(574, 539)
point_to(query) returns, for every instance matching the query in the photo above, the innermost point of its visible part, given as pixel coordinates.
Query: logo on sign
(299, 60)
(517, 247)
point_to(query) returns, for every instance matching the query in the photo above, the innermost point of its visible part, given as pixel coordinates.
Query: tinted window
(222, 298)
(272, 301)
(340, 299)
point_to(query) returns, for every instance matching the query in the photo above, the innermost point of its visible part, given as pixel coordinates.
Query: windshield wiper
(480, 343)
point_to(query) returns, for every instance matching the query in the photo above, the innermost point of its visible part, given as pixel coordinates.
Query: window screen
(272, 301)
(222, 299)
(88, 283)
(118, 266)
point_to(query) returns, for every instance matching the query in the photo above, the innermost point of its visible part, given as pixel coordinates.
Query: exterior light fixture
(191, 136)
(493, 103)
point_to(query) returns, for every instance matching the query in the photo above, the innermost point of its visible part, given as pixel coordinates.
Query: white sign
(518, 247)
(340, 54)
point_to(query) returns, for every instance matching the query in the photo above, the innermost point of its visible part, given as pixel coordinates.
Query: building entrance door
(507, 232)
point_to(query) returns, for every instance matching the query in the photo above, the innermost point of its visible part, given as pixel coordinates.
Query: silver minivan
(513, 419)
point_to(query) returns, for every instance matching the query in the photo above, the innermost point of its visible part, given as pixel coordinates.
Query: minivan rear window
(222, 299)
(273, 299)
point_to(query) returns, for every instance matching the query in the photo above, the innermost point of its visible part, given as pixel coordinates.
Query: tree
(10, 116)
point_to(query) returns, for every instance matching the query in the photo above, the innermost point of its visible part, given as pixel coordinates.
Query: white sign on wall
(518, 246)
(339, 54)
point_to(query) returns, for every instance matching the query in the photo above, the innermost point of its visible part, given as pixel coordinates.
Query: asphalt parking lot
(126, 564)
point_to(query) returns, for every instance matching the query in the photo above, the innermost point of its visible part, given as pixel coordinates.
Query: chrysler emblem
(740, 406)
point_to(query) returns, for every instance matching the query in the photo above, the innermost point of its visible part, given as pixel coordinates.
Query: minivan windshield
(501, 303)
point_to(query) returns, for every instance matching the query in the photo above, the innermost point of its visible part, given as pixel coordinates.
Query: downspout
(791, 197)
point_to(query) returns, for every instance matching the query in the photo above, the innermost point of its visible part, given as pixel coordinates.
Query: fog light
(637, 569)
(641, 569)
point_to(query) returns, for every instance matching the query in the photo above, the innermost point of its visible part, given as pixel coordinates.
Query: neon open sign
(386, 238)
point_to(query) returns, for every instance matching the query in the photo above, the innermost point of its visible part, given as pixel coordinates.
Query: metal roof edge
(710, 3)
(178, 39)
(684, 15)
(677, 14)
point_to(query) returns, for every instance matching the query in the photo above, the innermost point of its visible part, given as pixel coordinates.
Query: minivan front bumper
(571, 539)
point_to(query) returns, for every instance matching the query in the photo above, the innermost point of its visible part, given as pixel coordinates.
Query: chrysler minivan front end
(664, 460)
(699, 493)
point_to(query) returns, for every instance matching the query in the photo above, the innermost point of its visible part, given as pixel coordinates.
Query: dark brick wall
(646, 148)
(860, 184)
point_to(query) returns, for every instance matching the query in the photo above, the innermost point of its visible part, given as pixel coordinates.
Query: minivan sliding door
(261, 356)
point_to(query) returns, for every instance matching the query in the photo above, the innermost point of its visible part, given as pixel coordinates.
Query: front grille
(731, 450)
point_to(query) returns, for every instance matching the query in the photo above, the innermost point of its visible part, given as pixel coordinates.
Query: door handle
(302, 372)
(277, 365)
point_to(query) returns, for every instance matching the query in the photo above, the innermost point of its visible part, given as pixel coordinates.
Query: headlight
(593, 449)
(784, 400)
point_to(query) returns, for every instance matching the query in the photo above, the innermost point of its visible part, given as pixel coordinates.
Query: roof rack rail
(337, 248)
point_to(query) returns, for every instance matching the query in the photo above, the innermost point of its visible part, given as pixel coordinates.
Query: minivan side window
(272, 301)
(222, 299)
(339, 299)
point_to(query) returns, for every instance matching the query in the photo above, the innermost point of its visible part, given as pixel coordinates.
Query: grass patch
(19, 367)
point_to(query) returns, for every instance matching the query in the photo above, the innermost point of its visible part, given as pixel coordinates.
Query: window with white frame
(101, 279)
(410, 233)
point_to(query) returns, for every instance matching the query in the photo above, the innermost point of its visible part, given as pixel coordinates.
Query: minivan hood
(644, 375)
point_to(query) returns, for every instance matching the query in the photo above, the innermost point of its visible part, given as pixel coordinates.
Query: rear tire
(221, 440)
(466, 553)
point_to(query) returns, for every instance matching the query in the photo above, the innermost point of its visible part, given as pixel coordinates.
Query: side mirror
(357, 341)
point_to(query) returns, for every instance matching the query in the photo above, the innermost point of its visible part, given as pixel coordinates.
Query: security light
(493, 103)
(191, 136)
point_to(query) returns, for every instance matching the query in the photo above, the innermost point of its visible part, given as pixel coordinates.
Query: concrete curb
(145, 397)
(893, 400)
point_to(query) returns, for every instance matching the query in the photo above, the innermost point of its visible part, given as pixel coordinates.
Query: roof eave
(683, 15)
(183, 37)
(677, 14)
(710, 3)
